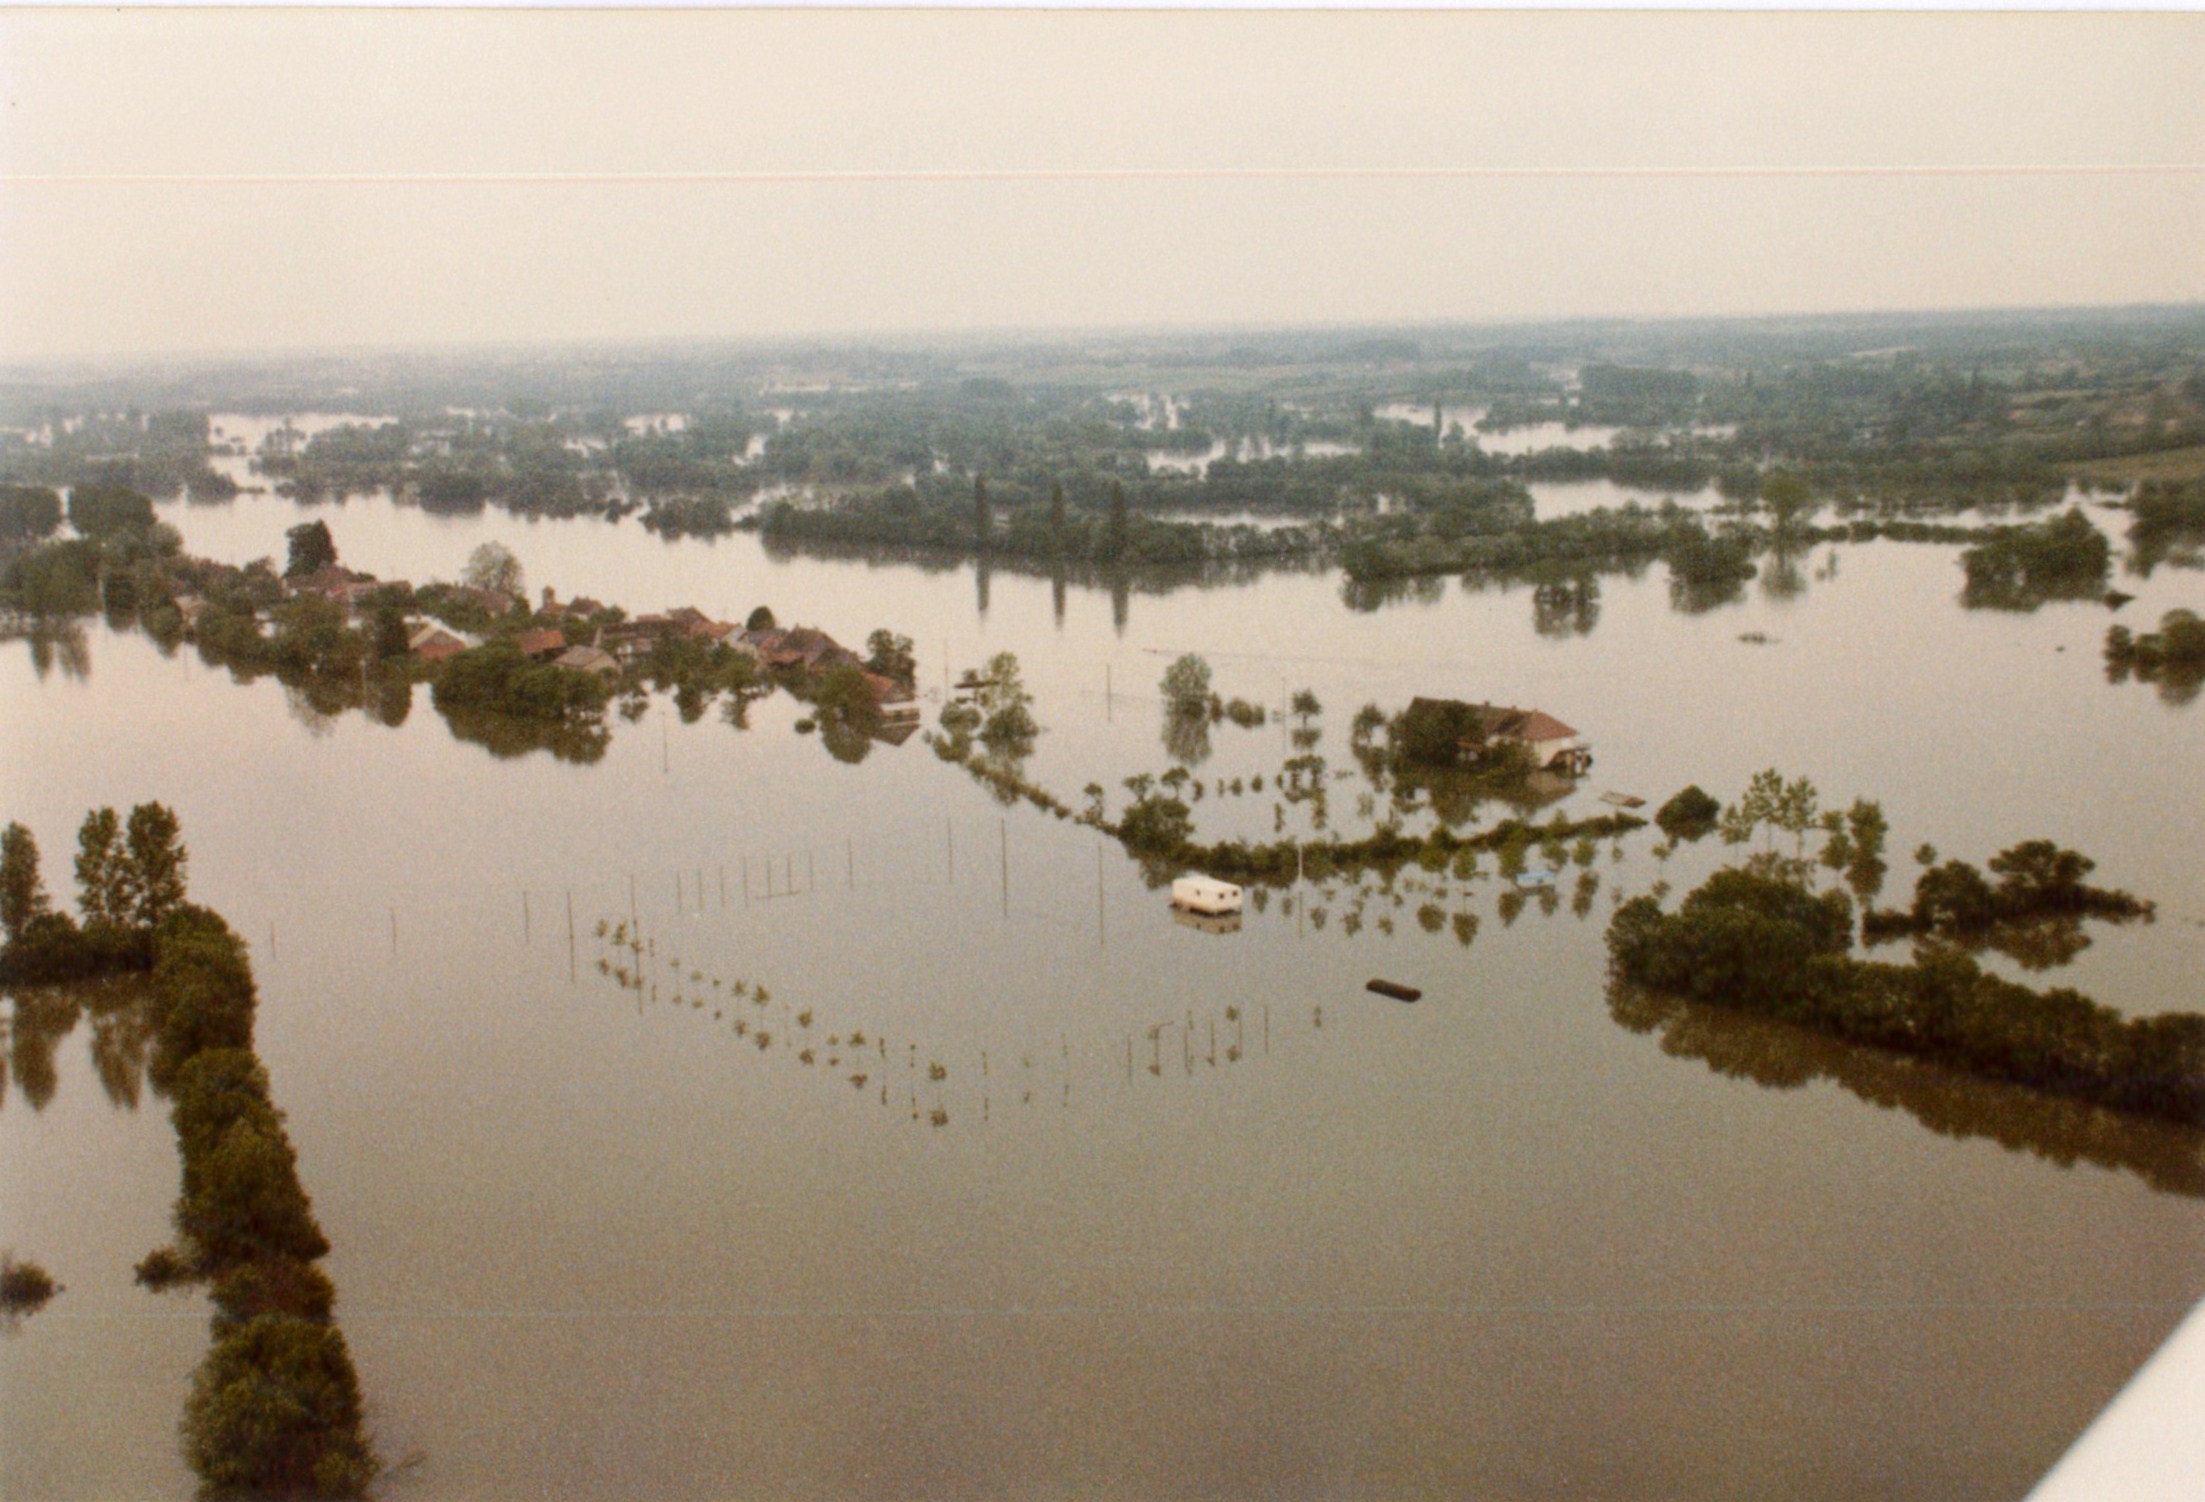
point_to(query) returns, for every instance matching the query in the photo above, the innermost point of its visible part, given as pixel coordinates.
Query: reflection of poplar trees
(1781, 1056)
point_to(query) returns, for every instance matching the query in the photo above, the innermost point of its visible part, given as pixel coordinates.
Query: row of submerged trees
(1761, 938)
(275, 1407)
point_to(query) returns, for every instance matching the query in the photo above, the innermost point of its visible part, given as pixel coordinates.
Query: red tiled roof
(541, 642)
(1538, 725)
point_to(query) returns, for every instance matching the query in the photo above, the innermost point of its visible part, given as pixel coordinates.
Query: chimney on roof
(550, 599)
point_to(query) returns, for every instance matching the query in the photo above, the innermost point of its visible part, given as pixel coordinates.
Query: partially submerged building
(1552, 745)
(1548, 744)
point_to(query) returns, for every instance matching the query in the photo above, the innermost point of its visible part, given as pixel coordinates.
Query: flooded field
(858, 1133)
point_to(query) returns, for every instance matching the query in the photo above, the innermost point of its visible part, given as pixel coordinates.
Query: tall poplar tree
(22, 894)
(103, 878)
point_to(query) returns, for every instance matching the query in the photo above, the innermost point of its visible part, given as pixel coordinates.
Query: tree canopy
(492, 566)
(312, 548)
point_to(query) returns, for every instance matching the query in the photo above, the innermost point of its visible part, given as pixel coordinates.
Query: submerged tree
(103, 880)
(493, 567)
(890, 655)
(312, 548)
(1186, 687)
(22, 890)
(1007, 724)
(156, 858)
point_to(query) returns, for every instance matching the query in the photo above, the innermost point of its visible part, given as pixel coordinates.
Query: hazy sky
(259, 180)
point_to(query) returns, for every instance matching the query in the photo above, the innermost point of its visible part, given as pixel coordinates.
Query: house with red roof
(1551, 745)
(432, 643)
(542, 644)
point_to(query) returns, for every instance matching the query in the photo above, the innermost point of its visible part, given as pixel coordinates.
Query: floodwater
(1246, 449)
(1523, 439)
(1553, 498)
(1201, 1216)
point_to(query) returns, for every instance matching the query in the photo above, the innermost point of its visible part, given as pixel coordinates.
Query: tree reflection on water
(38, 1018)
(1780, 1056)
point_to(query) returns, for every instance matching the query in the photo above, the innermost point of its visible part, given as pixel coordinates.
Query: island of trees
(1764, 938)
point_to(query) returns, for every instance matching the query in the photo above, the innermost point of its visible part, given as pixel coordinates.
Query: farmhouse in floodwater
(1554, 746)
(1548, 744)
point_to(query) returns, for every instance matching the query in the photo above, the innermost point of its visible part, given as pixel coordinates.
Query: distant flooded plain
(1010, 1185)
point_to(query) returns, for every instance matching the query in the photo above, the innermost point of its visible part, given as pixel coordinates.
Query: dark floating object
(1390, 988)
(2115, 599)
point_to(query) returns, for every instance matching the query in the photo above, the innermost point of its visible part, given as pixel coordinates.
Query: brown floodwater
(1200, 1216)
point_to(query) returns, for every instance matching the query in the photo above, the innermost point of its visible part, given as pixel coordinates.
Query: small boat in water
(1393, 989)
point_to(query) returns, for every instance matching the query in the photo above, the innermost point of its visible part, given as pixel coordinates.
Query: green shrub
(1690, 815)
(275, 1410)
(24, 1286)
